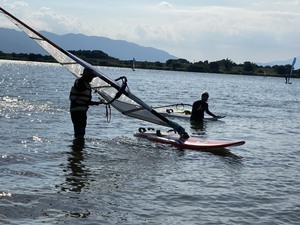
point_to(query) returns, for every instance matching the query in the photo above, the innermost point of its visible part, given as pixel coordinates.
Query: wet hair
(204, 94)
(87, 71)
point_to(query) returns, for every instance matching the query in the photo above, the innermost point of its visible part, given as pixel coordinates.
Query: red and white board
(189, 143)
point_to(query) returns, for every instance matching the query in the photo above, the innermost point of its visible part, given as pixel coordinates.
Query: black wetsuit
(80, 97)
(199, 107)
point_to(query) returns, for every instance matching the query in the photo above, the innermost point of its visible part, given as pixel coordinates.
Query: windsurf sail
(291, 71)
(113, 92)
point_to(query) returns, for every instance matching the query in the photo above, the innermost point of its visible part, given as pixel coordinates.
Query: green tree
(248, 67)
(213, 67)
(196, 67)
(281, 69)
(227, 64)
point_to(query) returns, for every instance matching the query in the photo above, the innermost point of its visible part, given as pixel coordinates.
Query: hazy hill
(18, 42)
(283, 62)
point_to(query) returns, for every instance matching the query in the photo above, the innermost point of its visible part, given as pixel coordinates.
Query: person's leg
(79, 123)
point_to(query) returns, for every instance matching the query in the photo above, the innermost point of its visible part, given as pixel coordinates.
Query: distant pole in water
(265, 74)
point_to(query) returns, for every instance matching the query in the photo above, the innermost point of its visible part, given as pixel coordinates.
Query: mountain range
(18, 42)
(13, 41)
(283, 62)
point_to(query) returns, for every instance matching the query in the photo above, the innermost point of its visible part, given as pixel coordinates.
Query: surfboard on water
(174, 139)
(183, 114)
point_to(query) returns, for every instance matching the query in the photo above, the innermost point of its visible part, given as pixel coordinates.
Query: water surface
(114, 178)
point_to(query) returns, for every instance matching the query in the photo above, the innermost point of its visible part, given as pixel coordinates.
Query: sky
(197, 30)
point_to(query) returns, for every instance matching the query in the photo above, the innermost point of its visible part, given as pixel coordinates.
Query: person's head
(88, 74)
(204, 96)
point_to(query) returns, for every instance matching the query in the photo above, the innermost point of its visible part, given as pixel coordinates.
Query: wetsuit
(80, 97)
(199, 107)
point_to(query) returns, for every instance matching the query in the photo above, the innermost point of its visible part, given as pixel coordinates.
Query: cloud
(165, 5)
(15, 5)
(216, 31)
(47, 19)
(195, 30)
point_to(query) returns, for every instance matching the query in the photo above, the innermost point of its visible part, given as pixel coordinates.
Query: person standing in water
(81, 99)
(199, 108)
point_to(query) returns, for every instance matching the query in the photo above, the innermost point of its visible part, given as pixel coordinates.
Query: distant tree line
(99, 58)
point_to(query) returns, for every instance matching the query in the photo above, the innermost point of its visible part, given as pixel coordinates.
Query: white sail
(118, 95)
(291, 71)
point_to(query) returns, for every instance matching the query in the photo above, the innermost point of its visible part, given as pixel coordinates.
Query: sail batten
(68, 63)
(38, 39)
(110, 90)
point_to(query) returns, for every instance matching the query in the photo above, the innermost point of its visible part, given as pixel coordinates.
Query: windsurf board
(174, 139)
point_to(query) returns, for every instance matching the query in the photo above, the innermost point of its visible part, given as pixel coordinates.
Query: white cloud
(196, 30)
(165, 5)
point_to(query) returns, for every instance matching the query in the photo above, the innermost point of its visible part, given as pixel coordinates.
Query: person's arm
(209, 112)
(95, 103)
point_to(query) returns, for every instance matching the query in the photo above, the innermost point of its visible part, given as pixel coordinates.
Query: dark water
(114, 178)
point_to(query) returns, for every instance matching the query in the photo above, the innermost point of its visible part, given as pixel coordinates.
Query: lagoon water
(116, 178)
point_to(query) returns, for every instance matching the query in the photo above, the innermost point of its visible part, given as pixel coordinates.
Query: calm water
(117, 179)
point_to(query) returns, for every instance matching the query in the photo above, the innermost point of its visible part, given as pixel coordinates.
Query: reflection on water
(199, 127)
(228, 154)
(77, 173)
(223, 152)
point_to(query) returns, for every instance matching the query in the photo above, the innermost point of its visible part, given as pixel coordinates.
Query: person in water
(81, 99)
(199, 107)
